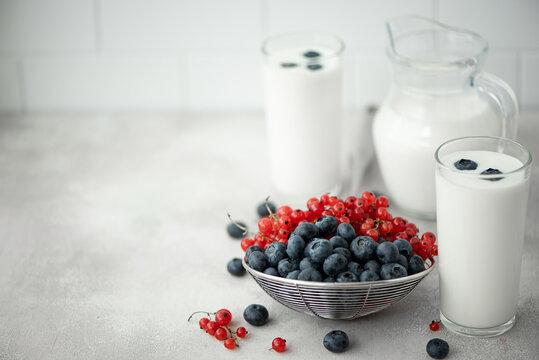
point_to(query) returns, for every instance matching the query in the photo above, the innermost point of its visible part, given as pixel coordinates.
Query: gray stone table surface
(112, 231)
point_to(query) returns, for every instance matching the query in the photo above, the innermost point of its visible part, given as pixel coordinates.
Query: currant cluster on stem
(218, 327)
(368, 214)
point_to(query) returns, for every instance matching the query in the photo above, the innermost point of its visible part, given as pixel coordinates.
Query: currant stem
(232, 333)
(271, 214)
(245, 230)
(200, 312)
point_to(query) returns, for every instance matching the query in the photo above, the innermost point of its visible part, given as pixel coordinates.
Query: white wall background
(117, 55)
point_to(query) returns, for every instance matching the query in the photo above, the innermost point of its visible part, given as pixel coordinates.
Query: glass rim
(464, 62)
(484, 176)
(338, 40)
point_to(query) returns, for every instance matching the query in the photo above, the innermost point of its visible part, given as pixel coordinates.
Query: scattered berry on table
(241, 332)
(256, 314)
(336, 341)
(221, 333)
(235, 267)
(203, 322)
(437, 348)
(262, 208)
(237, 229)
(211, 327)
(223, 317)
(278, 344)
(434, 325)
(230, 343)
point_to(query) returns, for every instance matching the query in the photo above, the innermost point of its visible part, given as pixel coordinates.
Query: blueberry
(235, 231)
(338, 241)
(466, 164)
(320, 250)
(415, 264)
(334, 264)
(369, 275)
(262, 210)
(271, 271)
(295, 246)
(404, 247)
(327, 226)
(306, 263)
(310, 274)
(437, 348)
(314, 67)
(275, 252)
(256, 315)
(235, 267)
(347, 254)
(393, 271)
(286, 266)
(346, 231)
(387, 252)
(346, 276)
(336, 341)
(363, 248)
(329, 279)
(311, 54)
(288, 65)
(354, 268)
(307, 249)
(373, 265)
(293, 274)
(401, 259)
(307, 231)
(258, 261)
(249, 250)
(491, 171)
(381, 240)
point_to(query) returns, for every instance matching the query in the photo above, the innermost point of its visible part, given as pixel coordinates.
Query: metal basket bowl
(338, 300)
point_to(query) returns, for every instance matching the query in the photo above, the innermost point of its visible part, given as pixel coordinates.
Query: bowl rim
(336, 285)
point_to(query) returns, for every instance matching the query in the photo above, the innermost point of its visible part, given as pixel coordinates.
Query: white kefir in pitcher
(303, 112)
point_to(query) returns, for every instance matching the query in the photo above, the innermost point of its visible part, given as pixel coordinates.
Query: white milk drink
(480, 233)
(303, 116)
(408, 130)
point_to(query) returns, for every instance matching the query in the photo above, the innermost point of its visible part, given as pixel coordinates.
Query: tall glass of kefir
(482, 186)
(303, 92)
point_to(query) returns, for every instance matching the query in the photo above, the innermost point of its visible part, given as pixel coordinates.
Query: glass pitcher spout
(426, 44)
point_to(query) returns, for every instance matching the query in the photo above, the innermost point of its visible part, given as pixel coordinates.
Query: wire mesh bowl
(338, 300)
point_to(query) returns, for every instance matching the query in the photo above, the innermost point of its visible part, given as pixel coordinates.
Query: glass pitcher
(438, 92)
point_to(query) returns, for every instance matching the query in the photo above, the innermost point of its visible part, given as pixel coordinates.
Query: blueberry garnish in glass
(311, 54)
(466, 164)
(491, 171)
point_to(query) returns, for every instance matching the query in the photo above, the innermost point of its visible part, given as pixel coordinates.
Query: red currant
(381, 202)
(230, 343)
(385, 228)
(430, 237)
(246, 243)
(339, 209)
(324, 199)
(278, 344)
(411, 228)
(373, 233)
(220, 334)
(398, 224)
(211, 327)
(297, 216)
(285, 221)
(425, 247)
(434, 250)
(284, 210)
(283, 233)
(351, 202)
(415, 243)
(241, 332)
(203, 322)
(382, 213)
(369, 196)
(311, 200)
(358, 214)
(333, 200)
(434, 325)
(327, 212)
(344, 219)
(223, 317)
(317, 208)
(363, 228)
(265, 225)
(362, 203)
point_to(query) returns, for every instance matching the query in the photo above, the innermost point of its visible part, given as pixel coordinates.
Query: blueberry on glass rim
(491, 171)
(466, 164)
(311, 54)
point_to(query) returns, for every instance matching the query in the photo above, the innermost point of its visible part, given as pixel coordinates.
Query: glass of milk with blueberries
(438, 92)
(482, 186)
(303, 92)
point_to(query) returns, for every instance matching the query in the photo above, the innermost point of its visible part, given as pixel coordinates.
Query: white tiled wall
(102, 55)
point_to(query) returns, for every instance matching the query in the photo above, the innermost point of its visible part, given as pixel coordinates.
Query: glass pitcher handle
(504, 97)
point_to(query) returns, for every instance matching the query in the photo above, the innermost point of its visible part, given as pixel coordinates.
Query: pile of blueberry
(332, 252)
